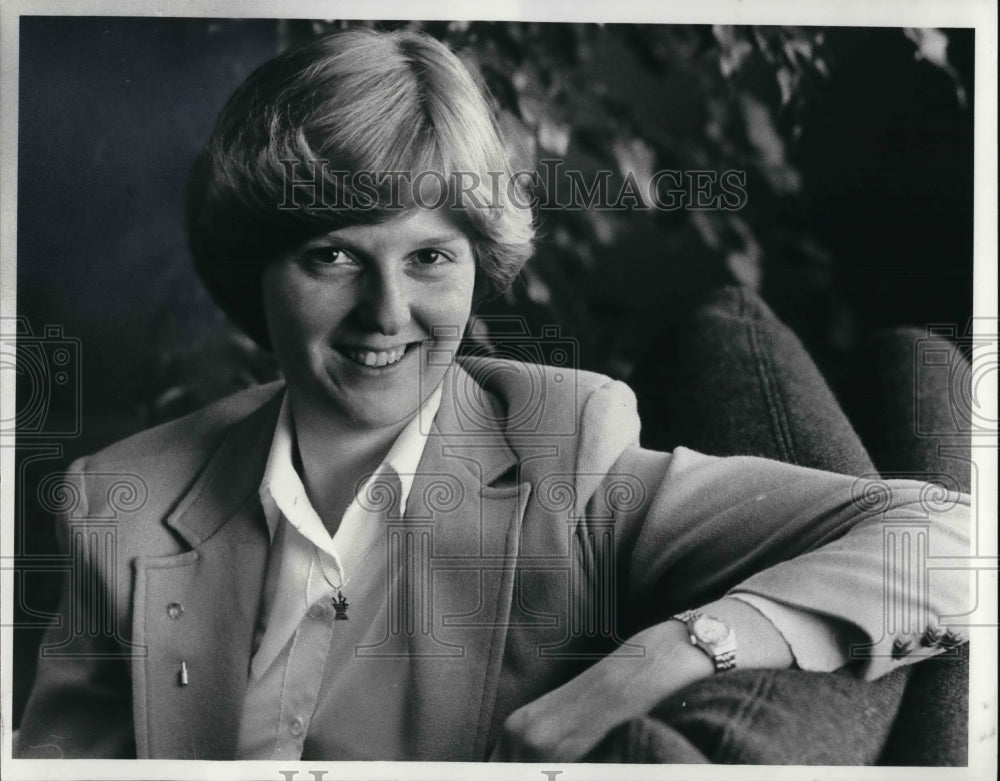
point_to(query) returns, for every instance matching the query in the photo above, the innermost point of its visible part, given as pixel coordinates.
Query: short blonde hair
(361, 100)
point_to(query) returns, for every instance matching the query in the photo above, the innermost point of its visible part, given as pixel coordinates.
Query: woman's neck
(333, 456)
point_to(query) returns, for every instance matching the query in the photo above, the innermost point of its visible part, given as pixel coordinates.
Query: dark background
(857, 145)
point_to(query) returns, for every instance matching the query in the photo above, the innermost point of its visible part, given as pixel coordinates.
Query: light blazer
(548, 535)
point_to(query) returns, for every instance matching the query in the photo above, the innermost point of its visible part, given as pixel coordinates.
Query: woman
(397, 554)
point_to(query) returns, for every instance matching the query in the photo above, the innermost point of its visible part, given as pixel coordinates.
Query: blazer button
(297, 726)
(175, 610)
(932, 637)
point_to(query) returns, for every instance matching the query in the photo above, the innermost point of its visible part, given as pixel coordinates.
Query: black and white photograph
(443, 392)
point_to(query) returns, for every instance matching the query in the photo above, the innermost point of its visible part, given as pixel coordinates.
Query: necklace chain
(340, 603)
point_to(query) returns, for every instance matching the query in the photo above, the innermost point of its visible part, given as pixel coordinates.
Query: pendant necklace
(340, 605)
(339, 602)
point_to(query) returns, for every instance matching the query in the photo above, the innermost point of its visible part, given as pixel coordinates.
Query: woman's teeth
(376, 359)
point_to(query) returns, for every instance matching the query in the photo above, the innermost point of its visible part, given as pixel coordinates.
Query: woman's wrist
(670, 663)
(759, 643)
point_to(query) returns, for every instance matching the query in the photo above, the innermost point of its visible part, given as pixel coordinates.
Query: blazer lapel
(469, 529)
(194, 612)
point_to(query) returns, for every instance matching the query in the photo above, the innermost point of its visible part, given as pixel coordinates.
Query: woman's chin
(378, 413)
(372, 402)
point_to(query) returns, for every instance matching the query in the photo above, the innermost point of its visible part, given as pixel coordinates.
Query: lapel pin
(183, 674)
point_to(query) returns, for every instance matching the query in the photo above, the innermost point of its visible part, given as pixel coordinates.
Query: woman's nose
(385, 306)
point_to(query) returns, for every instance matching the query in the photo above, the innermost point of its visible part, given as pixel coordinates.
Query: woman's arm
(860, 553)
(807, 540)
(81, 701)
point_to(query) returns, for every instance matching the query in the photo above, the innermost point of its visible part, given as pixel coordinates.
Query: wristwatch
(713, 636)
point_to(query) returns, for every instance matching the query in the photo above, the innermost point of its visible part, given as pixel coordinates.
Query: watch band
(719, 642)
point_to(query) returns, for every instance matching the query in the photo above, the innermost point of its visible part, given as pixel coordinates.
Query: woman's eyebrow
(449, 239)
(332, 241)
(340, 242)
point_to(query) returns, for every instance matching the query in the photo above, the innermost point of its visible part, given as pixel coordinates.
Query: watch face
(709, 630)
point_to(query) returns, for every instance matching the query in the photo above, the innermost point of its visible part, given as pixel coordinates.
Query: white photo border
(978, 14)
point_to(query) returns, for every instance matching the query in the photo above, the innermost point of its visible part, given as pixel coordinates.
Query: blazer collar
(469, 422)
(232, 473)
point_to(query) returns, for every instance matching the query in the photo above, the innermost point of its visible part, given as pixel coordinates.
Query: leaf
(745, 263)
(634, 156)
(764, 137)
(553, 137)
(786, 83)
(536, 288)
(932, 47)
(733, 50)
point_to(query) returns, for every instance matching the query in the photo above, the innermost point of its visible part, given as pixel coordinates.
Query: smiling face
(360, 318)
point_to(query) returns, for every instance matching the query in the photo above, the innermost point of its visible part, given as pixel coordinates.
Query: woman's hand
(566, 723)
(563, 725)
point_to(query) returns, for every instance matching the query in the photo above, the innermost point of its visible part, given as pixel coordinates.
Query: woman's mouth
(374, 359)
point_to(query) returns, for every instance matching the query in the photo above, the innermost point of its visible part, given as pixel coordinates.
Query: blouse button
(297, 726)
(317, 611)
(175, 610)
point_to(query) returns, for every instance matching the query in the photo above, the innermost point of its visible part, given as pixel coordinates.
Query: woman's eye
(326, 256)
(430, 257)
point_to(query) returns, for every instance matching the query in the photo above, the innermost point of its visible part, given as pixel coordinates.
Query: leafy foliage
(633, 100)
